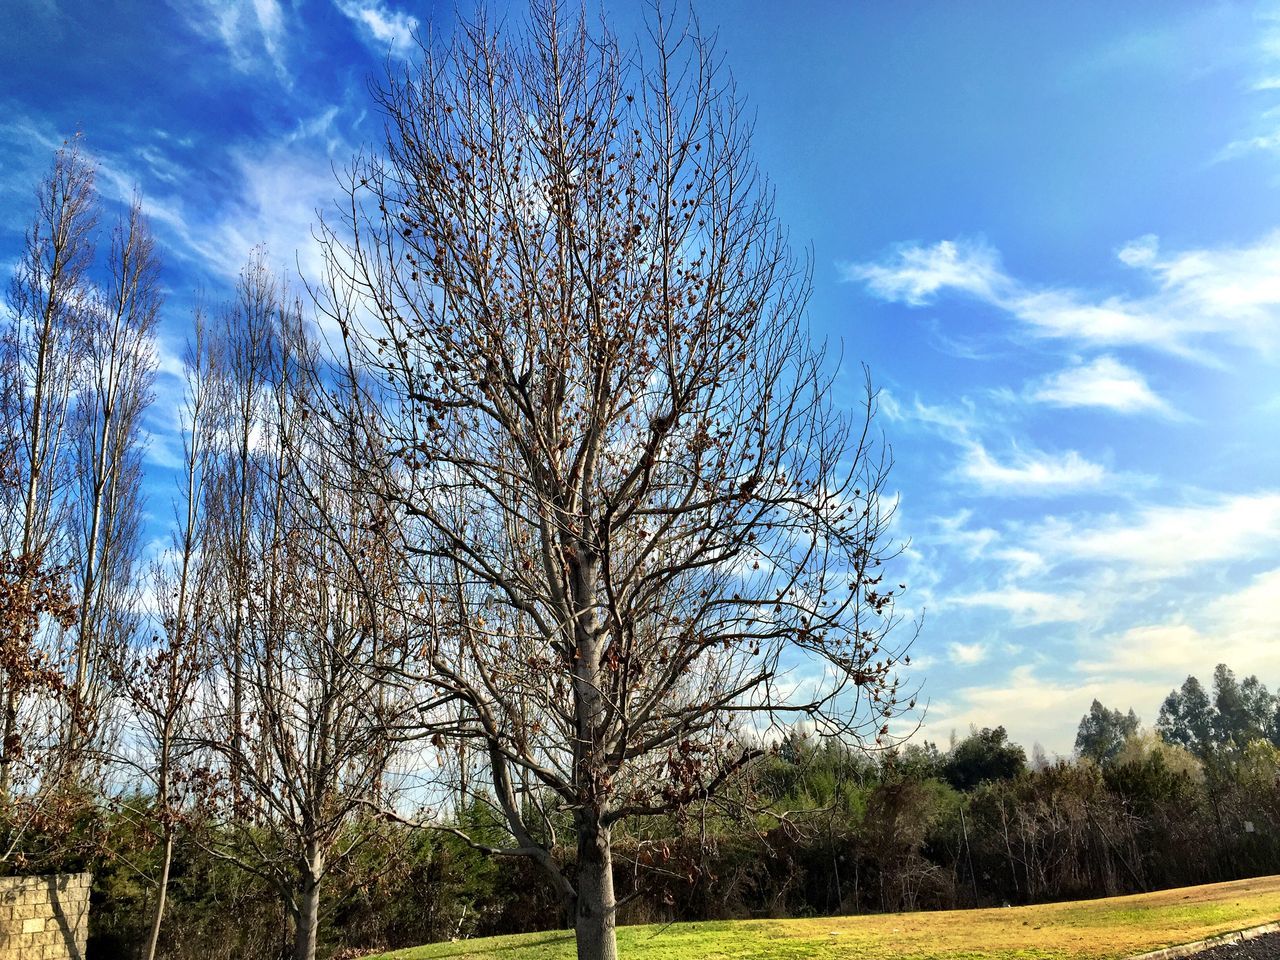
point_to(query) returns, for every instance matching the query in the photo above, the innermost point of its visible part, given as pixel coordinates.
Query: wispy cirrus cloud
(381, 28)
(1106, 568)
(30, 148)
(1161, 541)
(1030, 473)
(1027, 607)
(1104, 383)
(1237, 627)
(1264, 137)
(1131, 667)
(1147, 648)
(1025, 471)
(254, 32)
(282, 190)
(954, 532)
(957, 420)
(1034, 706)
(917, 274)
(273, 189)
(1228, 294)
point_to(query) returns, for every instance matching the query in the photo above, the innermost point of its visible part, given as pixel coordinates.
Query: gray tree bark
(308, 923)
(596, 913)
(307, 918)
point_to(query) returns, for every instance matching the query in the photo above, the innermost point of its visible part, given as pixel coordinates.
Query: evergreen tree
(1102, 732)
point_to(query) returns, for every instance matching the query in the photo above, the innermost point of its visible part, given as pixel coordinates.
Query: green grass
(1080, 930)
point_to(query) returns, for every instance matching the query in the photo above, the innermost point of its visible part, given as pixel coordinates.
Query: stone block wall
(44, 918)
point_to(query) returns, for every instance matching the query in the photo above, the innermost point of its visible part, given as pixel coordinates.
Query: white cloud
(1030, 473)
(29, 150)
(1262, 143)
(1127, 638)
(271, 26)
(282, 190)
(919, 273)
(1027, 607)
(1252, 615)
(163, 448)
(1149, 648)
(1265, 137)
(1021, 561)
(1038, 710)
(967, 654)
(1025, 472)
(251, 30)
(954, 531)
(1105, 383)
(1140, 252)
(1071, 315)
(954, 422)
(1230, 294)
(1163, 541)
(889, 407)
(277, 189)
(382, 29)
(919, 663)
(1237, 628)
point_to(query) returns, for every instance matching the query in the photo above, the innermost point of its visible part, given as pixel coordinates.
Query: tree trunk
(308, 918)
(8, 739)
(596, 917)
(304, 938)
(161, 895)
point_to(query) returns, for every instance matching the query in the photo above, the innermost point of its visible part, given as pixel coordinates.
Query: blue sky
(1051, 229)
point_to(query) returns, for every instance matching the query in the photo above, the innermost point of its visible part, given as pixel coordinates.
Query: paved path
(1265, 947)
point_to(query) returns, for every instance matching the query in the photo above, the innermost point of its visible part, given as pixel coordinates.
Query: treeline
(1194, 800)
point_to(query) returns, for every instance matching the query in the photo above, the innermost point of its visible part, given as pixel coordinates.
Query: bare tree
(317, 648)
(247, 342)
(40, 350)
(160, 679)
(642, 529)
(118, 370)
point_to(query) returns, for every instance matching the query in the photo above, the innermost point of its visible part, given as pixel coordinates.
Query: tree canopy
(1102, 732)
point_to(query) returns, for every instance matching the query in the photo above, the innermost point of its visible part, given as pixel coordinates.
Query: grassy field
(1111, 928)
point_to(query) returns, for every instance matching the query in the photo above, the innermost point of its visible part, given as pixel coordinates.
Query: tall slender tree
(1102, 733)
(117, 374)
(41, 349)
(162, 677)
(247, 345)
(1187, 718)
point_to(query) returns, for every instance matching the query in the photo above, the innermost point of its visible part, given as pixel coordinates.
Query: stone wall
(44, 918)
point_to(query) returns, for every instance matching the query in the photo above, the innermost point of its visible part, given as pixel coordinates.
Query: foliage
(1238, 713)
(1103, 732)
(983, 756)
